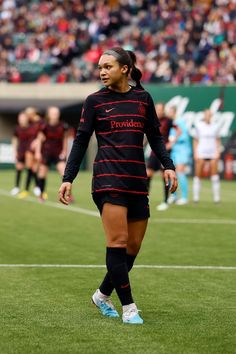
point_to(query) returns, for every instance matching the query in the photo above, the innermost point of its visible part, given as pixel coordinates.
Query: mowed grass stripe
(96, 214)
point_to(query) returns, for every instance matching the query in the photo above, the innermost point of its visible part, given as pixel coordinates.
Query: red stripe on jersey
(122, 115)
(121, 131)
(121, 146)
(131, 161)
(117, 175)
(119, 190)
(118, 102)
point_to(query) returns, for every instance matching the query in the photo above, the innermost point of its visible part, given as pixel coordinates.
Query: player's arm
(64, 151)
(38, 145)
(218, 147)
(15, 144)
(79, 147)
(195, 145)
(157, 144)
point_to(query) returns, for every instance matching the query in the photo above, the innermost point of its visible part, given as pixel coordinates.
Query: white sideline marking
(54, 205)
(96, 213)
(97, 266)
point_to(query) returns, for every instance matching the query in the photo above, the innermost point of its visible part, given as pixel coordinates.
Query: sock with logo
(118, 272)
(107, 286)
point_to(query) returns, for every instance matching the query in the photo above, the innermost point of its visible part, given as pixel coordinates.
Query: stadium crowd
(175, 41)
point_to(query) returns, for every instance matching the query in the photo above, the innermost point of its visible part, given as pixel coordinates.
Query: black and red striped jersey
(54, 137)
(23, 135)
(120, 121)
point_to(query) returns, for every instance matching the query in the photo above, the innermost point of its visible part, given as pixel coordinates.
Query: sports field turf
(47, 309)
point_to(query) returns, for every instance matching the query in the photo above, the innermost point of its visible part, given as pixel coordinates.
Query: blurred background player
(20, 142)
(35, 124)
(181, 156)
(51, 147)
(207, 145)
(153, 164)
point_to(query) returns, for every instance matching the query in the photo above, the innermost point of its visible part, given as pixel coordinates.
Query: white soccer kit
(207, 135)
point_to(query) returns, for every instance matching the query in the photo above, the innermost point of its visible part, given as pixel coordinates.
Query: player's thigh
(114, 219)
(199, 163)
(136, 232)
(29, 159)
(214, 167)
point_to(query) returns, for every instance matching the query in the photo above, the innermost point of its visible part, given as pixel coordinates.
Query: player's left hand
(64, 193)
(171, 180)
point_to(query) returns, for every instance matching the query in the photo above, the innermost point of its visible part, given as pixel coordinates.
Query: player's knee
(133, 247)
(118, 240)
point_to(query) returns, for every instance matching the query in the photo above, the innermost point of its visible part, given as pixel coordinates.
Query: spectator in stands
(45, 37)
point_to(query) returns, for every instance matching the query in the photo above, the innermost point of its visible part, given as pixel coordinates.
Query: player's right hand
(64, 193)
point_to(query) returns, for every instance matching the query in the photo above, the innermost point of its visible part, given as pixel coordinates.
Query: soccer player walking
(120, 115)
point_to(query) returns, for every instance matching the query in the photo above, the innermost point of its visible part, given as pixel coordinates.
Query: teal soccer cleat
(131, 315)
(104, 304)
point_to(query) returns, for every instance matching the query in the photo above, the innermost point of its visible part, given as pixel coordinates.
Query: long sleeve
(155, 137)
(76, 156)
(81, 141)
(157, 144)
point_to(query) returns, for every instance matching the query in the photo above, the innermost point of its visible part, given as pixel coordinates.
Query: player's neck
(120, 87)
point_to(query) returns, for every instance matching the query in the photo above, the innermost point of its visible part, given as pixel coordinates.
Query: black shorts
(51, 160)
(137, 205)
(153, 163)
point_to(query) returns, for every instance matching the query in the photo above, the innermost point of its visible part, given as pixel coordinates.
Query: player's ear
(124, 69)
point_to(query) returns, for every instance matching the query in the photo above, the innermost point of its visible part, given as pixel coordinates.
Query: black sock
(35, 177)
(41, 184)
(18, 178)
(166, 191)
(107, 286)
(118, 272)
(28, 179)
(148, 183)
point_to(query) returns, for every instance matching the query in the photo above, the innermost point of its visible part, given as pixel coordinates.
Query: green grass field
(47, 310)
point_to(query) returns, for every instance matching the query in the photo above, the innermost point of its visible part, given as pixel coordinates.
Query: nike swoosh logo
(109, 110)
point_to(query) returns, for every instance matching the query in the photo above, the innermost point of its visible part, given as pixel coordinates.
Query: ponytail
(127, 57)
(135, 74)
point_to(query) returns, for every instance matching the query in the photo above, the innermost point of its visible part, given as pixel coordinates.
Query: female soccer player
(20, 142)
(153, 164)
(120, 115)
(51, 147)
(181, 155)
(35, 123)
(206, 148)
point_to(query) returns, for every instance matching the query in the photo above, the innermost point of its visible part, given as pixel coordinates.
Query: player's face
(111, 72)
(23, 120)
(207, 116)
(53, 115)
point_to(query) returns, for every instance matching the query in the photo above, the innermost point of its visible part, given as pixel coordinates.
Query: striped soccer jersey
(120, 121)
